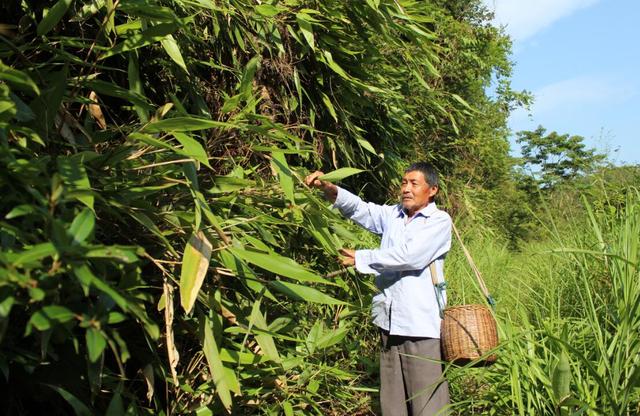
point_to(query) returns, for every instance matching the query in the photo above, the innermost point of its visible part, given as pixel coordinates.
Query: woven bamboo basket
(468, 332)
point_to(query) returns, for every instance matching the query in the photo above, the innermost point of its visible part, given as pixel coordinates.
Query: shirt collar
(425, 212)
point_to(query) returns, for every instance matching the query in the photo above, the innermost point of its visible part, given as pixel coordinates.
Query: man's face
(416, 192)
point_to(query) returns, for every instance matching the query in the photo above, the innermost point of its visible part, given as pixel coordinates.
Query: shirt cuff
(363, 259)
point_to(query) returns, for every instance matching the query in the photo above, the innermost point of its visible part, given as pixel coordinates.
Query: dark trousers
(411, 381)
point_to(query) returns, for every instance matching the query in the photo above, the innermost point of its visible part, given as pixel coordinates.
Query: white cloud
(523, 19)
(580, 92)
(575, 97)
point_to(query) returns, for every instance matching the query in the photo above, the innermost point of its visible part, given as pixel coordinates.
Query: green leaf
(287, 408)
(265, 340)
(340, 174)
(20, 210)
(192, 148)
(304, 293)
(78, 407)
(171, 47)
(327, 103)
(84, 274)
(229, 184)
(461, 101)
(135, 84)
(119, 253)
(116, 407)
(267, 10)
(17, 79)
(184, 124)
(307, 29)
(366, 146)
(35, 253)
(143, 219)
(55, 14)
(246, 84)
(82, 226)
(278, 264)
(112, 90)
(195, 262)
(561, 378)
(152, 35)
(52, 314)
(285, 176)
(216, 368)
(74, 175)
(95, 344)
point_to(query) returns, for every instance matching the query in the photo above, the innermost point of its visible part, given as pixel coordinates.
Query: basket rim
(467, 306)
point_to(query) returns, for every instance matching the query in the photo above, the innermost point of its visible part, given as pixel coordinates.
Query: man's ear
(432, 192)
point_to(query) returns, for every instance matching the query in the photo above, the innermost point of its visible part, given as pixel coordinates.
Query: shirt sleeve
(368, 215)
(421, 245)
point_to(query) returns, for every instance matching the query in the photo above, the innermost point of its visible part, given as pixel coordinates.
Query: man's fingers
(312, 180)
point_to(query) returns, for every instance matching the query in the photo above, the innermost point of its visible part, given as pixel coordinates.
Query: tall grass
(568, 315)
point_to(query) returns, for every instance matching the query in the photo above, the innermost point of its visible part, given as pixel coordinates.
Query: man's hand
(329, 189)
(348, 257)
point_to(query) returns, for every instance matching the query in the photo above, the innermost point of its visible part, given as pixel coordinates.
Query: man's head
(420, 184)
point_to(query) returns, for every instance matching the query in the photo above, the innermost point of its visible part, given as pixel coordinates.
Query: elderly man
(415, 234)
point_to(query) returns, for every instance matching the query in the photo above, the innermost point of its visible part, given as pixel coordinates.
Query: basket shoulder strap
(481, 283)
(439, 288)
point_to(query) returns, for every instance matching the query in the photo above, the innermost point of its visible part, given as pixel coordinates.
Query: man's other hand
(348, 257)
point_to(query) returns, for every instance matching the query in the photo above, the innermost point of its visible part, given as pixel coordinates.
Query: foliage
(556, 158)
(567, 315)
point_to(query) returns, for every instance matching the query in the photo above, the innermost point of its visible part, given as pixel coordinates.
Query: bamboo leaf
(52, 314)
(116, 407)
(96, 343)
(192, 148)
(340, 174)
(78, 407)
(246, 84)
(278, 264)
(304, 293)
(55, 14)
(119, 253)
(74, 175)
(307, 29)
(135, 84)
(82, 226)
(18, 79)
(112, 90)
(195, 262)
(35, 253)
(216, 368)
(285, 176)
(152, 35)
(265, 341)
(181, 124)
(267, 10)
(173, 50)
(327, 103)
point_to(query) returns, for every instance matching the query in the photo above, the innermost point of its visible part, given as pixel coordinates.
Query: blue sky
(581, 60)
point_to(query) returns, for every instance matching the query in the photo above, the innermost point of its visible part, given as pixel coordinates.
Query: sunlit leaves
(53, 16)
(195, 262)
(340, 174)
(277, 264)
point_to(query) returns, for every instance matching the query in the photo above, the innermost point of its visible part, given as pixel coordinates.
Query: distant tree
(556, 158)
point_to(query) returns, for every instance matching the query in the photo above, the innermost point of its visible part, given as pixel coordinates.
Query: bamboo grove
(160, 254)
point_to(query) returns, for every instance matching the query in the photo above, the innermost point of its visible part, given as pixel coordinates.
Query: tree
(556, 158)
